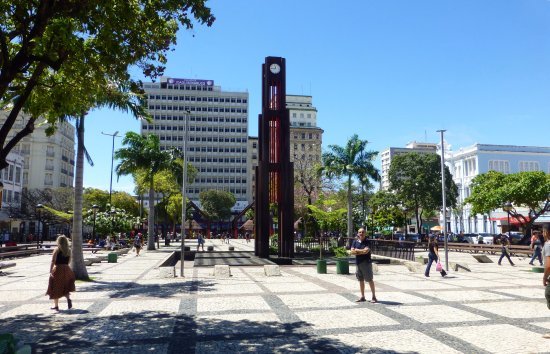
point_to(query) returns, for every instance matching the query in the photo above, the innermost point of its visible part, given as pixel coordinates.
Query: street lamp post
(183, 185)
(508, 208)
(114, 135)
(444, 200)
(94, 208)
(39, 208)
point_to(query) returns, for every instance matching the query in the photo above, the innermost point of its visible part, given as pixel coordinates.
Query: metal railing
(387, 248)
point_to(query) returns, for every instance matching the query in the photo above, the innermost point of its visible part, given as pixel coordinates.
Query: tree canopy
(217, 204)
(529, 190)
(416, 180)
(50, 50)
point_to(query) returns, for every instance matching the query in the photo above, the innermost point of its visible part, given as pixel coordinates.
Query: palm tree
(351, 161)
(97, 94)
(143, 154)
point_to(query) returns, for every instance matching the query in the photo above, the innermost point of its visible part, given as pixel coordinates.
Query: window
(528, 166)
(496, 165)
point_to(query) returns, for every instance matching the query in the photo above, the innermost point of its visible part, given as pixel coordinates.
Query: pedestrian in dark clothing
(505, 250)
(433, 256)
(361, 249)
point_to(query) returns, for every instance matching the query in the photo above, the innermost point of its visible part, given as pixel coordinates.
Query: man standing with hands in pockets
(360, 248)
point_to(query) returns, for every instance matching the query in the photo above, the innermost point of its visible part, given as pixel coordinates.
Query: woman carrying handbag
(433, 256)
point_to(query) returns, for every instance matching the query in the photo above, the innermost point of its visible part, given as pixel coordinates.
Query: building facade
(387, 155)
(217, 132)
(306, 138)
(12, 185)
(49, 161)
(468, 162)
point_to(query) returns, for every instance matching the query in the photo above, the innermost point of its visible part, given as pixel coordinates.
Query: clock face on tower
(274, 68)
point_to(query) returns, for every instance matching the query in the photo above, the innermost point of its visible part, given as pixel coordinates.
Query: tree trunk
(151, 218)
(350, 206)
(77, 256)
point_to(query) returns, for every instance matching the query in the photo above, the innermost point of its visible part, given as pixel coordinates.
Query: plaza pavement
(127, 308)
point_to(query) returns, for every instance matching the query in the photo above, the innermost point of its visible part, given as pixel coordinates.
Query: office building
(387, 155)
(217, 127)
(306, 137)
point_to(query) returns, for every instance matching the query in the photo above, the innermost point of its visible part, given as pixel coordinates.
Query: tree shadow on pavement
(127, 289)
(158, 332)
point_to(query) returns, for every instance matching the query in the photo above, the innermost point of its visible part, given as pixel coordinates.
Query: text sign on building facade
(174, 81)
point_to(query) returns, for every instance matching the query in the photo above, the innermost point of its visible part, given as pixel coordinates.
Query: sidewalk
(128, 309)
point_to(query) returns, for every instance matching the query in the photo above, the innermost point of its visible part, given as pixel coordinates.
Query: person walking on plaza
(363, 260)
(137, 243)
(536, 246)
(546, 276)
(200, 241)
(505, 250)
(62, 279)
(433, 256)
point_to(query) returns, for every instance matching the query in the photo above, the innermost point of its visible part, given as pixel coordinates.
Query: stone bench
(457, 266)
(4, 265)
(222, 271)
(272, 270)
(481, 258)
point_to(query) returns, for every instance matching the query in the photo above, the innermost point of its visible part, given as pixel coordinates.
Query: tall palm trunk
(151, 218)
(350, 206)
(77, 256)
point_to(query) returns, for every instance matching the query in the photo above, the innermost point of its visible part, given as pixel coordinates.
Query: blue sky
(391, 71)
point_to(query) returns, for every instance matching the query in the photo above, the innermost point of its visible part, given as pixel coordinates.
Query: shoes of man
(547, 336)
(361, 300)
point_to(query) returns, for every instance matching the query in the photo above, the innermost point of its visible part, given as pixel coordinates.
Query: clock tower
(274, 194)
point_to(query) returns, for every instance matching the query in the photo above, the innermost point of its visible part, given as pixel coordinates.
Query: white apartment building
(12, 184)
(217, 127)
(468, 162)
(49, 161)
(387, 155)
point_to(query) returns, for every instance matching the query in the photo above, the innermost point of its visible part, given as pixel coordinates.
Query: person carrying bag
(433, 256)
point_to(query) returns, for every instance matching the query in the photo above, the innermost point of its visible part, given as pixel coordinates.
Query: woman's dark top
(432, 247)
(60, 259)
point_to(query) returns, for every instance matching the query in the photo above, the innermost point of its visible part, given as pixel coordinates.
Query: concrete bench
(19, 253)
(222, 271)
(481, 258)
(4, 265)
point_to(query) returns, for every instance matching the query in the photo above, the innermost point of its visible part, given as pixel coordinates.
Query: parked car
(412, 237)
(515, 237)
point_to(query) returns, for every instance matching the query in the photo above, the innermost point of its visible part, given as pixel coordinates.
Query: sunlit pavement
(127, 308)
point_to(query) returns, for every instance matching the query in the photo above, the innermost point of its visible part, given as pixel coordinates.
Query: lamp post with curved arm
(508, 207)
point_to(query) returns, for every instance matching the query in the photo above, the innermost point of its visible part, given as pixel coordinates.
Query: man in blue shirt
(360, 248)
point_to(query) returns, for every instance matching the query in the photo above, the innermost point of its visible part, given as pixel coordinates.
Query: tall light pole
(183, 185)
(444, 201)
(39, 208)
(114, 135)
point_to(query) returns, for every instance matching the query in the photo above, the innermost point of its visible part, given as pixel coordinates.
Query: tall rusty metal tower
(275, 172)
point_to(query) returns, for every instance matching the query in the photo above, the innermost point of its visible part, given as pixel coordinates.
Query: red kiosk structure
(274, 194)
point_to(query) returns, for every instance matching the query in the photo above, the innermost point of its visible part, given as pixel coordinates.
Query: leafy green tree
(94, 196)
(351, 161)
(385, 207)
(45, 46)
(217, 204)
(111, 221)
(530, 190)
(143, 155)
(416, 180)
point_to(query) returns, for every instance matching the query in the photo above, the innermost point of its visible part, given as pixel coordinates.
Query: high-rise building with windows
(387, 155)
(49, 161)
(306, 137)
(217, 132)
